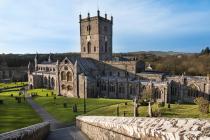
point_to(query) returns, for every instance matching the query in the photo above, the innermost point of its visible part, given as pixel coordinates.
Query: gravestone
(118, 110)
(149, 110)
(65, 105)
(1, 102)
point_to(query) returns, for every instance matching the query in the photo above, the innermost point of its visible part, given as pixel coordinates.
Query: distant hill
(161, 53)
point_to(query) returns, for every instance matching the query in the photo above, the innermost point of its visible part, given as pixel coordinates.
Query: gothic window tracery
(63, 75)
(193, 91)
(69, 76)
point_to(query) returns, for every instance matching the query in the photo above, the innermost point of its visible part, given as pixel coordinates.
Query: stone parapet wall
(129, 128)
(34, 132)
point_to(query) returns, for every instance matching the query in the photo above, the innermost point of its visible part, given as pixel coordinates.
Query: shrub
(203, 105)
(162, 104)
(156, 111)
(143, 103)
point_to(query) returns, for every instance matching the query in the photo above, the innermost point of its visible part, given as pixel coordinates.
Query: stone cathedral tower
(96, 37)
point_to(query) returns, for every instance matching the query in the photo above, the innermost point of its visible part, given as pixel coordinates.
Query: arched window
(106, 47)
(193, 91)
(89, 47)
(103, 86)
(157, 93)
(88, 28)
(45, 81)
(63, 75)
(112, 88)
(121, 88)
(69, 76)
(94, 48)
(52, 83)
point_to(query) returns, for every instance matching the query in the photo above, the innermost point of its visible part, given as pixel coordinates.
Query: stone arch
(193, 90)
(174, 88)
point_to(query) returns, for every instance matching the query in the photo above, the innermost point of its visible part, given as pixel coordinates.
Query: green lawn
(7, 85)
(15, 115)
(176, 111)
(66, 115)
(42, 92)
(106, 107)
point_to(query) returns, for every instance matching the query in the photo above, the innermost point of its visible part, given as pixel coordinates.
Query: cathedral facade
(97, 74)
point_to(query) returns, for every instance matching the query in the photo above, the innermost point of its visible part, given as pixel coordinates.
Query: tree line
(190, 64)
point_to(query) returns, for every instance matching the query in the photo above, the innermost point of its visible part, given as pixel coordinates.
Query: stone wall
(129, 128)
(34, 132)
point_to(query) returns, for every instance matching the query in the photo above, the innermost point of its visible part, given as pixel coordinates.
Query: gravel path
(58, 131)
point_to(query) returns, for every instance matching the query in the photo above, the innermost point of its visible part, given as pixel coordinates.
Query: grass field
(108, 107)
(66, 115)
(176, 111)
(8, 85)
(15, 115)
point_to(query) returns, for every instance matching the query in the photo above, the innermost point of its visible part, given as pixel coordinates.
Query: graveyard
(17, 114)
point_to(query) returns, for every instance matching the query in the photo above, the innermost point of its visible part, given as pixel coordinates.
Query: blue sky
(44, 26)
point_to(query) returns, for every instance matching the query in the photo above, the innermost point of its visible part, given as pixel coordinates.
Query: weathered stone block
(129, 128)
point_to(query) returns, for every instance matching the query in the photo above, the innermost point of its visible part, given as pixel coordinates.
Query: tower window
(106, 48)
(88, 28)
(94, 48)
(89, 47)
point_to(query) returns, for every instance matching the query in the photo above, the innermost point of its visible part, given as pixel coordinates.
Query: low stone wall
(129, 128)
(34, 132)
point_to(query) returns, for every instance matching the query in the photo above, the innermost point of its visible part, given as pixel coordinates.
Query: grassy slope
(65, 114)
(15, 115)
(107, 107)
